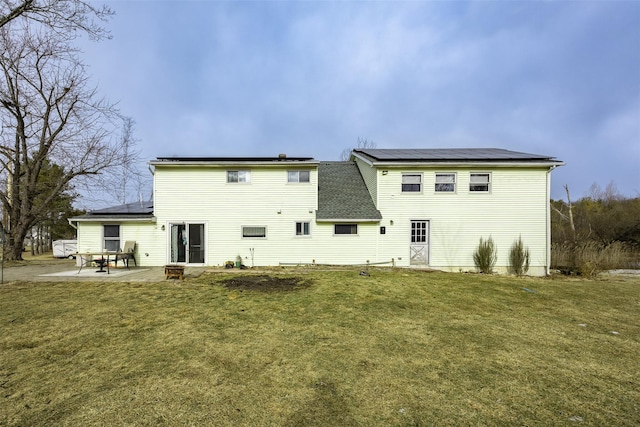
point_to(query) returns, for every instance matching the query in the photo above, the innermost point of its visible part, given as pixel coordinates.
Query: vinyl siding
(515, 206)
(370, 176)
(201, 194)
(147, 236)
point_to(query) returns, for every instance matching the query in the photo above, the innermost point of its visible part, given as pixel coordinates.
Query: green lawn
(397, 348)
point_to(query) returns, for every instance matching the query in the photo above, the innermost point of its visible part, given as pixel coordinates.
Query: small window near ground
(111, 238)
(411, 182)
(345, 229)
(298, 176)
(479, 182)
(302, 229)
(238, 176)
(445, 183)
(252, 232)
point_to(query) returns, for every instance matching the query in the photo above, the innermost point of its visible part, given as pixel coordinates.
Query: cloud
(309, 78)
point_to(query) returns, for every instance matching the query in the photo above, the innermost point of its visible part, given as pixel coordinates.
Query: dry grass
(591, 258)
(397, 348)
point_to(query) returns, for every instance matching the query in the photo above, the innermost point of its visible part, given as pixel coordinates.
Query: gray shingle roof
(450, 154)
(343, 195)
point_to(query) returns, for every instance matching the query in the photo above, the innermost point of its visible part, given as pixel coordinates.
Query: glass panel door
(196, 243)
(187, 243)
(178, 244)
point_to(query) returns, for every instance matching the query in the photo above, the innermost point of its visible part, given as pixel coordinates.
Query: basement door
(419, 248)
(187, 243)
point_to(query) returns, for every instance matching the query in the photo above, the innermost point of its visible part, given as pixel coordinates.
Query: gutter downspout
(548, 213)
(71, 223)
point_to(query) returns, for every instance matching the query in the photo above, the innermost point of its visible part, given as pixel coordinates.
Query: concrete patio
(66, 271)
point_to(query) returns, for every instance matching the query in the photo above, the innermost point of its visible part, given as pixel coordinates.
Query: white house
(415, 207)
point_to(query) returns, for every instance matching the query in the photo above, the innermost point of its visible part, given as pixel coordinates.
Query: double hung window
(111, 235)
(445, 183)
(411, 182)
(479, 182)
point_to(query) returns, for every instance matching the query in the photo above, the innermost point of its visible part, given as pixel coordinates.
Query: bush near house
(485, 256)
(519, 258)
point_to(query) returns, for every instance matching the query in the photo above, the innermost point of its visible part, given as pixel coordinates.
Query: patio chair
(127, 253)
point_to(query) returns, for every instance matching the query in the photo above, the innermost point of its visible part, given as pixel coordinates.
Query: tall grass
(590, 258)
(485, 256)
(519, 258)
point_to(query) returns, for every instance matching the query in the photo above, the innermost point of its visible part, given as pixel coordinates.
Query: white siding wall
(146, 235)
(202, 194)
(516, 205)
(369, 174)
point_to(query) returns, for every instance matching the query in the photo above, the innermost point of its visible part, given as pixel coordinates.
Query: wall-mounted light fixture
(162, 228)
(385, 172)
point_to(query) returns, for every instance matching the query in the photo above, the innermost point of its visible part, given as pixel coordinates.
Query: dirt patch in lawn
(266, 283)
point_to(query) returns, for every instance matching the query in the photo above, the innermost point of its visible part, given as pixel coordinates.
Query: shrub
(519, 258)
(485, 256)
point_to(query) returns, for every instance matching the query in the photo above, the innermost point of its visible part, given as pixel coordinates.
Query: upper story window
(298, 176)
(238, 176)
(480, 182)
(445, 183)
(111, 235)
(345, 229)
(411, 182)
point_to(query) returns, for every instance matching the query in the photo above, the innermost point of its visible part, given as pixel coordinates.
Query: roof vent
(282, 156)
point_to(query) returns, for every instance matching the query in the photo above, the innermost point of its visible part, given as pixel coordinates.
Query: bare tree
(131, 180)
(65, 17)
(361, 143)
(49, 113)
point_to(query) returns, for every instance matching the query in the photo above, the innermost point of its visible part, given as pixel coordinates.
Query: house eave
(473, 164)
(348, 220)
(236, 162)
(114, 218)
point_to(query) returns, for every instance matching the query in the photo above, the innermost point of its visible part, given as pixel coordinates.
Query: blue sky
(308, 78)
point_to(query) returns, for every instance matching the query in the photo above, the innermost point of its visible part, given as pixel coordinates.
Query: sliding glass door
(187, 243)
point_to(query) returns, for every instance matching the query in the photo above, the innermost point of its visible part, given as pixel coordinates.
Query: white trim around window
(111, 237)
(480, 182)
(412, 182)
(445, 182)
(345, 229)
(238, 176)
(299, 176)
(303, 229)
(254, 231)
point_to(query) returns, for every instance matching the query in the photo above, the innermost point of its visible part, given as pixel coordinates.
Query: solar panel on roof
(441, 154)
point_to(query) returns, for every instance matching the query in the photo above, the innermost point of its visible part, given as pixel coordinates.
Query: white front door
(419, 246)
(187, 243)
